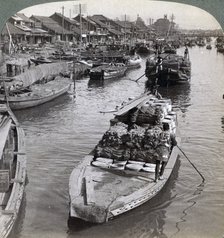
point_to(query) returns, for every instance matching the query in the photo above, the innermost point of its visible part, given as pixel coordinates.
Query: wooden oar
(203, 178)
(111, 111)
(139, 78)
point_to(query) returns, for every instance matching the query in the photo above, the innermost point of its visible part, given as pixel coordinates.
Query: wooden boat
(110, 71)
(102, 188)
(208, 47)
(220, 49)
(41, 60)
(12, 169)
(144, 49)
(201, 43)
(38, 94)
(171, 69)
(169, 50)
(134, 62)
(35, 87)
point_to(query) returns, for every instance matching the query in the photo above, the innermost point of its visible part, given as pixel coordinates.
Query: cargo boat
(103, 187)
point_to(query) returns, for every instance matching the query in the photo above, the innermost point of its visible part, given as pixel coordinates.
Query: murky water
(60, 133)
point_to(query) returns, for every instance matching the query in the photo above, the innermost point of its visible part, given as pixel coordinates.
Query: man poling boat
(168, 69)
(119, 174)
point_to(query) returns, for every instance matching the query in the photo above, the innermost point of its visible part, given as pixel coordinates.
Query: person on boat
(167, 141)
(132, 118)
(29, 63)
(159, 63)
(186, 53)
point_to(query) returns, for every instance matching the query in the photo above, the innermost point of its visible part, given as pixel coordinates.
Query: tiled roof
(51, 25)
(115, 32)
(16, 18)
(88, 19)
(38, 31)
(12, 29)
(98, 22)
(100, 17)
(23, 28)
(70, 20)
(24, 17)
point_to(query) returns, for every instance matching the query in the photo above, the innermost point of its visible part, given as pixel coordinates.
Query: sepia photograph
(111, 121)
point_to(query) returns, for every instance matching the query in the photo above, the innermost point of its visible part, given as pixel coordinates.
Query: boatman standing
(186, 53)
(166, 142)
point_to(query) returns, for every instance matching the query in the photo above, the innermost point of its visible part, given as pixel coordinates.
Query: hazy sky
(186, 16)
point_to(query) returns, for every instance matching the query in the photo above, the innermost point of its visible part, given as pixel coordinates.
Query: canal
(60, 133)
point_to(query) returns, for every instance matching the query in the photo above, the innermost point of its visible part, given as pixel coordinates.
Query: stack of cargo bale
(148, 114)
(137, 144)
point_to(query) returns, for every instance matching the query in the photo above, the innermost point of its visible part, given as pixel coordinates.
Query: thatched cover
(38, 72)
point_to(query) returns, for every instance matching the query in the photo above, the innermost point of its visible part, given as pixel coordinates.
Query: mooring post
(74, 76)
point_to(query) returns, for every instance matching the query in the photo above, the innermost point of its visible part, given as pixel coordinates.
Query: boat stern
(88, 212)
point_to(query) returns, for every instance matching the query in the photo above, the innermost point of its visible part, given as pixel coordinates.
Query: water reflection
(43, 111)
(95, 83)
(104, 83)
(179, 94)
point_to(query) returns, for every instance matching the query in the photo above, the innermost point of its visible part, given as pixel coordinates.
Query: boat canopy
(37, 73)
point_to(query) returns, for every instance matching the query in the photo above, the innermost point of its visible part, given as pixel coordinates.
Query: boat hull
(175, 70)
(103, 193)
(9, 212)
(17, 103)
(103, 74)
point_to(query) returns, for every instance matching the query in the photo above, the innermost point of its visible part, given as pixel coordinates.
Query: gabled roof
(16, 18)
(100, 17)
(98, 22)
(24, 18)
(12, 29)
(70, 20)
(88, 19)
(51, 24)
(73, 22)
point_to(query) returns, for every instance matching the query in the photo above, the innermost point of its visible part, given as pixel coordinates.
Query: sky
(186, 16)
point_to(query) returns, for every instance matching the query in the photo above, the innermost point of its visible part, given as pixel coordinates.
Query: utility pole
(63, 22)
(88, 28)
(70, 13)
(10, 39)
(80, 14)
(79, 9)
(125, 28)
